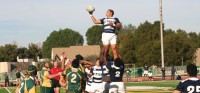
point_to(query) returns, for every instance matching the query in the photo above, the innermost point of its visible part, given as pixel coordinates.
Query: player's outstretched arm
(95, 20)
(63, 64)
(53, 76)
(87, 62)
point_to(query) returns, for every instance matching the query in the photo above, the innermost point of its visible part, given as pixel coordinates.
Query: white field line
(7, 90)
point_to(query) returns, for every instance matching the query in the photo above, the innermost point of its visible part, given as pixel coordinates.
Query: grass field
(163, 84)
(155, 83)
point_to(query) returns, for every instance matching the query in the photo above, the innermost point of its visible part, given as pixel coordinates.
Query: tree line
(139, 45)
(10, 52)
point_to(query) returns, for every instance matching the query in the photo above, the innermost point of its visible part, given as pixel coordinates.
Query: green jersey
(45, 82)
(74, 80)
(27, 86)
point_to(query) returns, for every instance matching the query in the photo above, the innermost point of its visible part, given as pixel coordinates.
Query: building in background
(74, 50)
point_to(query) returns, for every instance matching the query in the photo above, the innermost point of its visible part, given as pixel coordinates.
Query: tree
(93, 35)
(33, 51)
(22, 52)
(126, 45)
(178, 45)
(147, 43)
(62, 38)
(142, 45)
(8, 52)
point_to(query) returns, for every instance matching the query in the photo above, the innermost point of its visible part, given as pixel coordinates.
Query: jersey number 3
(73, 78)
(191, 89)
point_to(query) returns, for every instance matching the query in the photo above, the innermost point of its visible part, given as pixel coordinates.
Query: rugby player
(73, 78)
(96, 72)
(46, 82)
(116, 71)
(28, 84)
(109, 38)
(55, 80)
(190, 85)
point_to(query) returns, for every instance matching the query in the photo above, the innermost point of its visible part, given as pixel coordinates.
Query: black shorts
(56, 83)
(151, 77)
(139, 75)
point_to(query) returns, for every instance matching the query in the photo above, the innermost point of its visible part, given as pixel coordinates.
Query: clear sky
(31, 21)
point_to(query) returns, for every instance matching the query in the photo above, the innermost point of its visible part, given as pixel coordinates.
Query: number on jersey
(191, 89)
(117, 74)
(73, 78)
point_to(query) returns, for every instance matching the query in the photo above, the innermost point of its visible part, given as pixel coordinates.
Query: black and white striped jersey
(97, 74)
(107, 28)
(89, 79)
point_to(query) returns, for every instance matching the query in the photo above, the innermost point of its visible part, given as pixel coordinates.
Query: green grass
(150, 91)
(2, 90)
(171, 84)
(12, 89)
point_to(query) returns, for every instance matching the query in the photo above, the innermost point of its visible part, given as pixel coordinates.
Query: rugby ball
(90, 8)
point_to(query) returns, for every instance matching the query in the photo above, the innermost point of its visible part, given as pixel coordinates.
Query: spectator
(128, 74)
(173, 70)
(163, 73)
(18, 76)
(139, 71)
(150, 74)
(146, 69)
(6, 79)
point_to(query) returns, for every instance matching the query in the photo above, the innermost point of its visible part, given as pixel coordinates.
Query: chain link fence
(180, 70)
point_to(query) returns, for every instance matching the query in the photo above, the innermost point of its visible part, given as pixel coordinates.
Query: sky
(32, 21)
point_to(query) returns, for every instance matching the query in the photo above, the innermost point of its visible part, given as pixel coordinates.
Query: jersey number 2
(73, 78)
(117, 74)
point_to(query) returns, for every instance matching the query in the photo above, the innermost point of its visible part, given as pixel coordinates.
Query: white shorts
(96, 88)
(117, 87)
(88, 87)
(105, 87)
(109, 38)
(146, 72)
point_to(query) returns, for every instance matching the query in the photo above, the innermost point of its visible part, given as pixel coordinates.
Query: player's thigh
(105, 39)
(88, 88)
(113, 40)
(114, 47)
(105, 47)
(96, 87)
(57, 90)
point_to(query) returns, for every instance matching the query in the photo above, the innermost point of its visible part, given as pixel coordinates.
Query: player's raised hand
(90, 12)
(90, 9)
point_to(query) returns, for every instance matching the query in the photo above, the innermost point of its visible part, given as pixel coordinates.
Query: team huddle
(78, 76)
